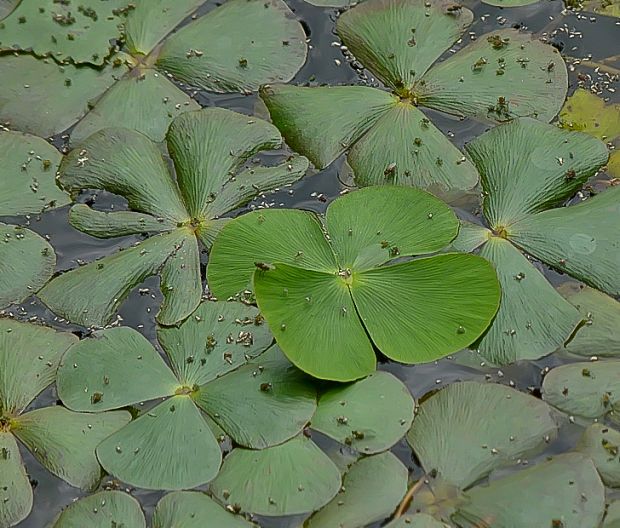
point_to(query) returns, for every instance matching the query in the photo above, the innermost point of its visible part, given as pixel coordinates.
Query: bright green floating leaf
(218, 338)
(290, 298)
(192, 509)
(29, 357)
(56, 96)
(15, 491)
(588, 389)
(26, 263)
(567, 490)
(527, 167)
(580, 240)
(586, 112)
(502, 75)
(370, 415)
(599, 335)
(144, 100)
(126, 162)
(238, 46)
(533, 319)
(102, 510)
(395, 305)
(360, 501)
(65, 441)
(292, 478)
(602, 445)
(150, 21)
(114, 368)
(28, 174)
(419, 520)
(261, 404)
(294, 286)
(399, 40)
(68, 33)
(468, 429)
(168, 447)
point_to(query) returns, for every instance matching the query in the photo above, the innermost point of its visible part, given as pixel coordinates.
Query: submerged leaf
(360, 501)
(291, 478)
(468, 429)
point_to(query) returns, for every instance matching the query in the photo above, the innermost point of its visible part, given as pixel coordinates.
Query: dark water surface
(578, 36)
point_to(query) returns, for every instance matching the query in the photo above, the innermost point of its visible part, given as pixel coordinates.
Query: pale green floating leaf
(144, 100)
(261, 404)
(28, 175)
(335, 345)
(581, 240)
(533, 319)
(15, 491)
(527, 167)
(6, 6)
(371, 490)
(27, 262)
(420, 311)
(510, 3)
(125, 162)
(347, 113)
(370, 415)
(150, 21)
(181, 282)
(364, 226)
(65, 441)
(292, 478)
(566, 489)
(208, 146)
(602, 445)
(288, 236)
(470, 237)
(399, 40)
(112, 279)
(118, 223)
(168, 447)
(599, 336)
(67, 33)
(238, 46)
(29, 357)
(102, 510)
(468, 429)
(418, 520)
(56, 97)
(218, 338)
(114, 368)
(192, 509)
(405, 148)
(588, 389)
(502, 75)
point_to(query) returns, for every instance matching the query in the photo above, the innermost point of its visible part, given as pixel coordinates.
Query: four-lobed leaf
(76, 67)
(326, 291)
(209, 148)
(217, 366)
(502, 75)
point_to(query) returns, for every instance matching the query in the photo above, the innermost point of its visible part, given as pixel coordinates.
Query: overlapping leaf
(527, 167)
(209, 147)
(63, 441)
(76, 63)
(503, 75)
(323, 299)
(217, 366)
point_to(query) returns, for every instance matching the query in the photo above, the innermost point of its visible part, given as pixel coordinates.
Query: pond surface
(581, 37)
